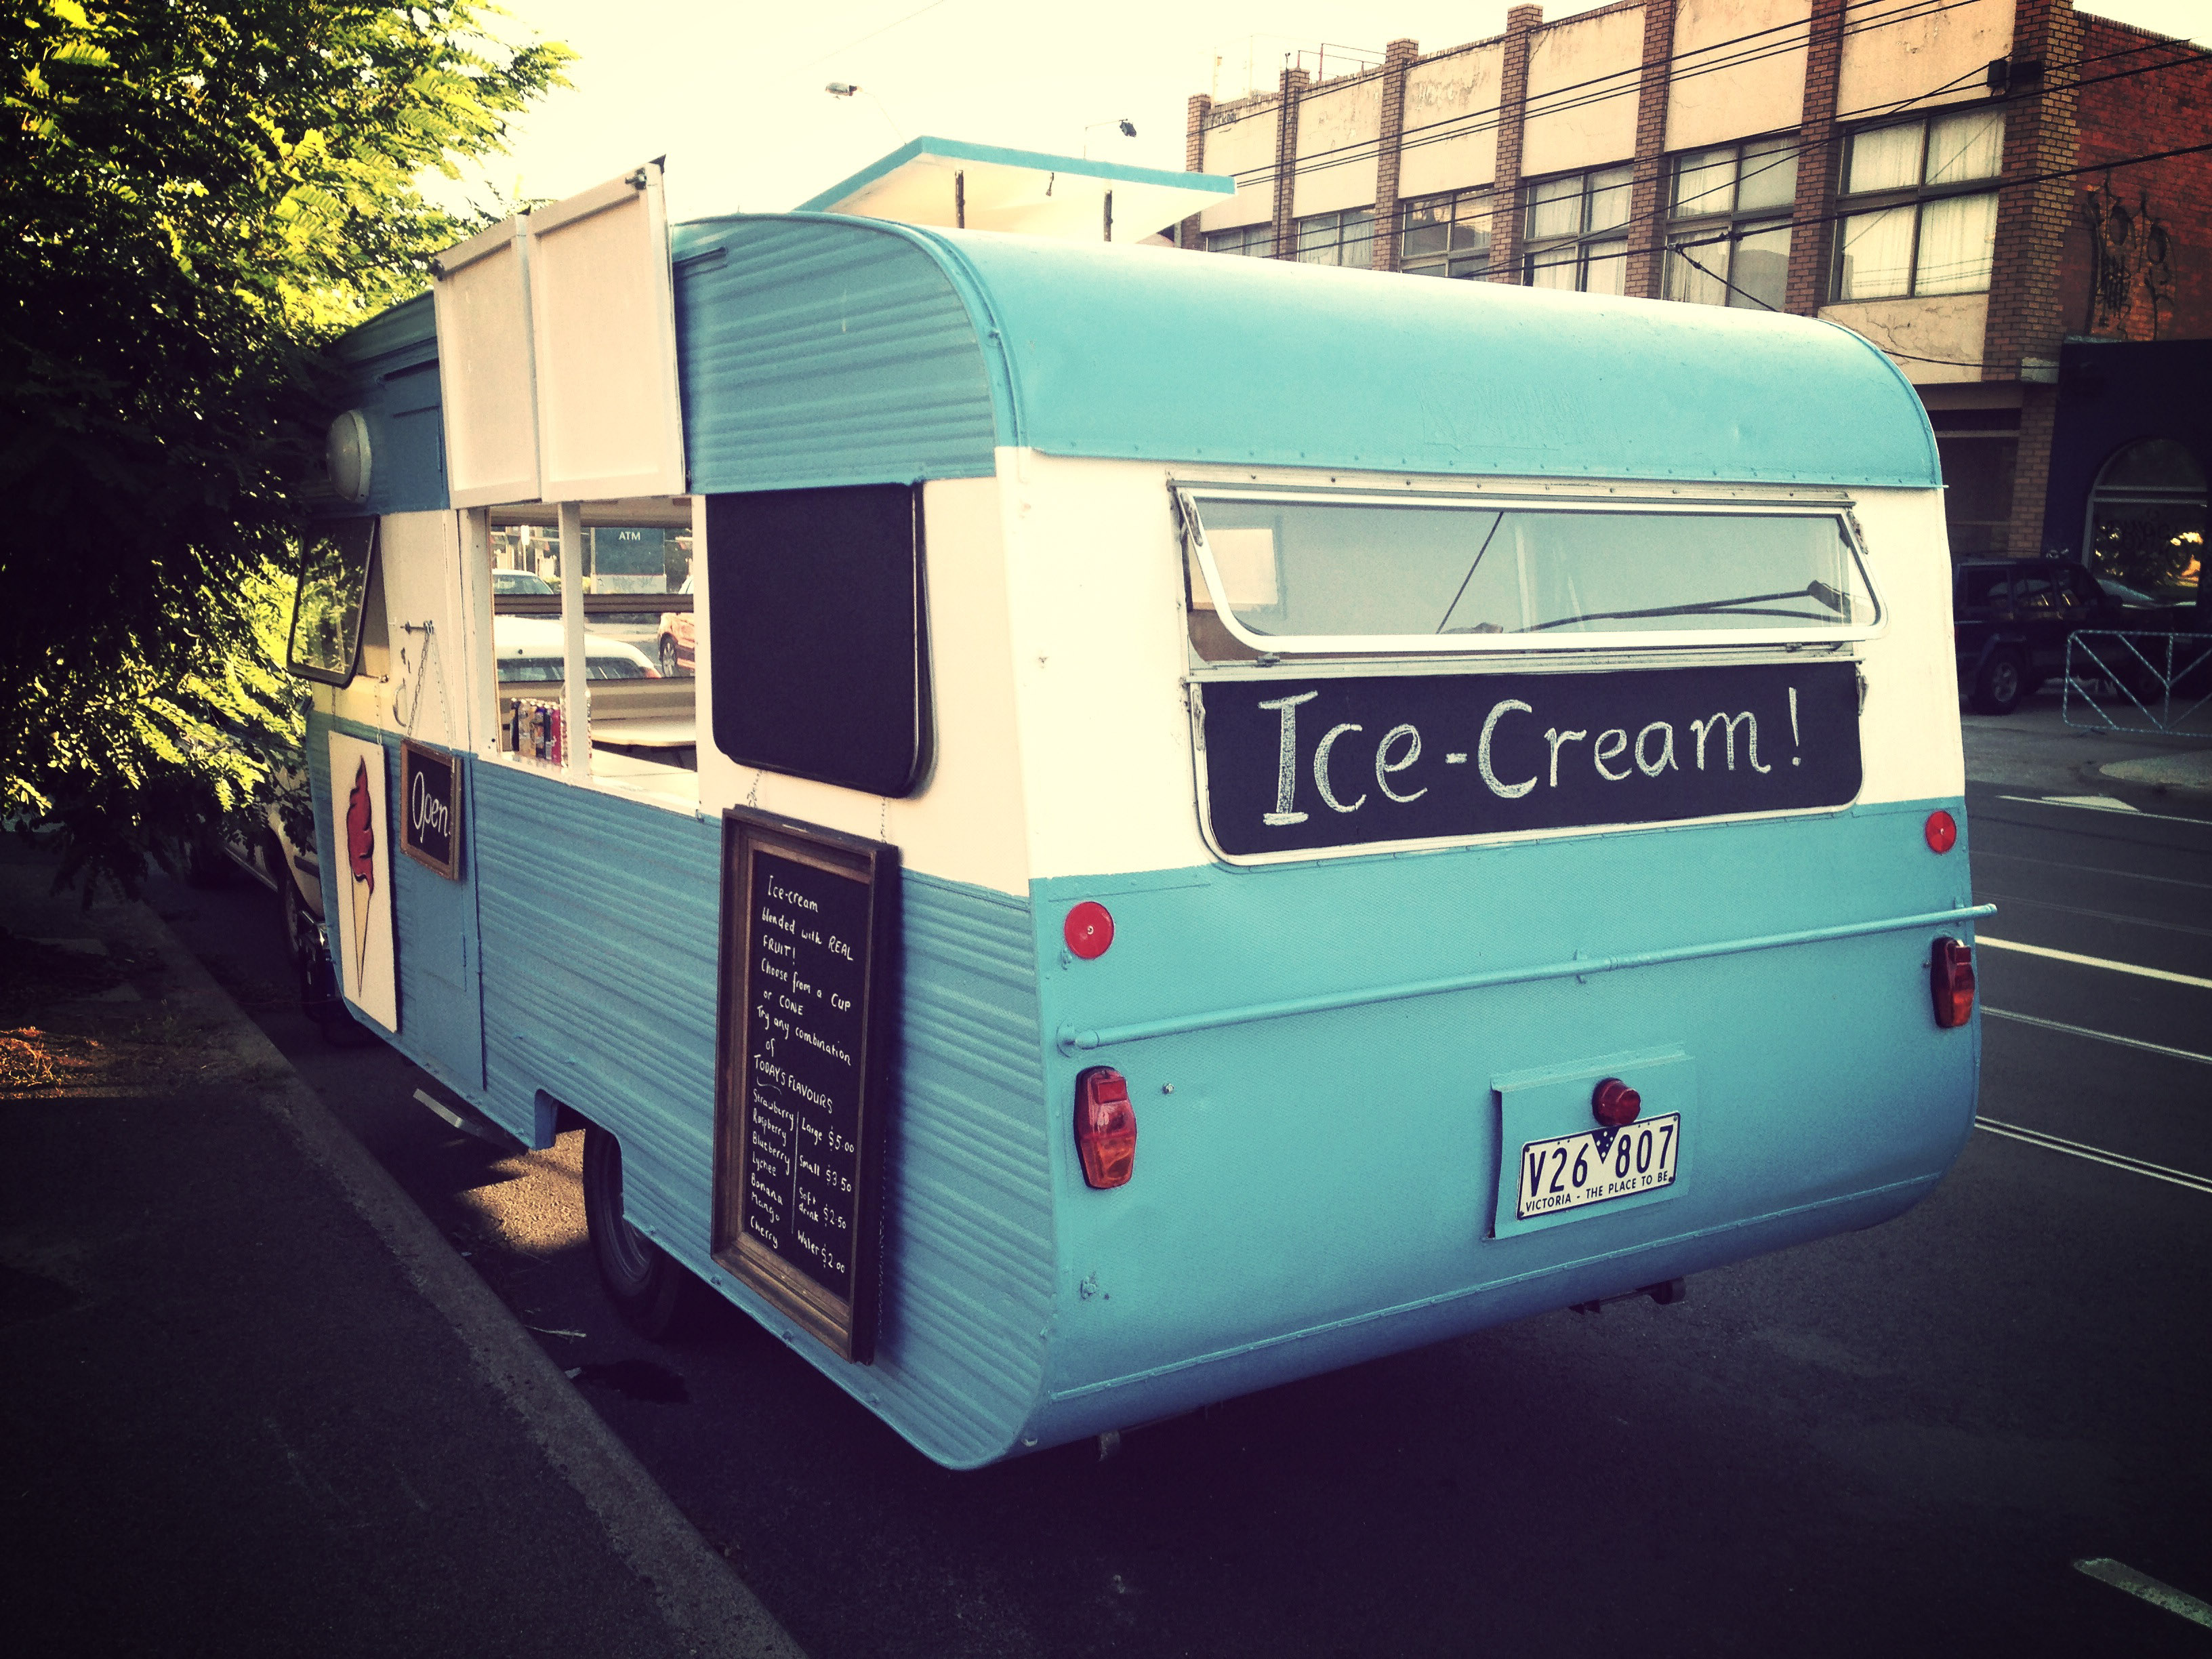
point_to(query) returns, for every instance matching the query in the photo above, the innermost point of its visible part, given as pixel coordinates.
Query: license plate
(1596, 1165)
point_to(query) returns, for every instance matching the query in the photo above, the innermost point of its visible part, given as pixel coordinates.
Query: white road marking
(1981, 853)
(2050, 1143)
(1988, 1012)
(2120, 1575)
(2101, 803)
(2095, 915)
(2093, 962)
(2121, 806)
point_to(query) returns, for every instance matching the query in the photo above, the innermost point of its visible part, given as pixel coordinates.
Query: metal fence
(2145, 683)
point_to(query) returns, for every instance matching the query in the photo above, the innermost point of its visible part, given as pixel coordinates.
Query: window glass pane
(1768, 176)
(1606, 271)
(1353, 568)
(1705, 182)
(2156, 548)
(1687, 283)
(1359, 237)
(326, 617)
(1886, 160)
(1317, 240)
(1556, 269)
(1968, 146)
(1958, 245)
(1877, 254)
(1425, 230)
(1760, 268)
(2154, 463)
(1555, 208)
(1977, 480)
(817, 633)
(1609, 198)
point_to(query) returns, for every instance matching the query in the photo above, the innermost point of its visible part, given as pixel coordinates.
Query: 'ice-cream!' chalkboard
(807, 916)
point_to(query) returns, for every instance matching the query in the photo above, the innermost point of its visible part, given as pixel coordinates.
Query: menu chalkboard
(807, 953)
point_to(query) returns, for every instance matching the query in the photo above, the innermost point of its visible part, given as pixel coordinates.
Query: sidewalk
(2033, 746)
(254, 1403)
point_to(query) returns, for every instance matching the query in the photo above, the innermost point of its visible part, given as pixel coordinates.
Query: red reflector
(1942, 831)
(1951, 976)
(1105, 1126)
(1615, 1104)
(1089, 929)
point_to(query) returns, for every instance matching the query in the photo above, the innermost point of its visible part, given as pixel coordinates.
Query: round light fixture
(345, 452)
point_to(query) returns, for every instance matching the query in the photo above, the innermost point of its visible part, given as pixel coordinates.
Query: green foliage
(198, 195)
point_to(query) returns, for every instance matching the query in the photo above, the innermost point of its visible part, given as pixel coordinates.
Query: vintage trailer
(1232, 817)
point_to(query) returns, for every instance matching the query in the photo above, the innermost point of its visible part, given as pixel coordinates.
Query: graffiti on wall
(2131, 286)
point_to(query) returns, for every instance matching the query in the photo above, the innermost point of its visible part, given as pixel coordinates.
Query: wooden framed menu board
(801, 1086)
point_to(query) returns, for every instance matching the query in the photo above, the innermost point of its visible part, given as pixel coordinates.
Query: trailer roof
(820, 350)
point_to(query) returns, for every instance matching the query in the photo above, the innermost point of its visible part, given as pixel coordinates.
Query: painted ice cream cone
(361, 863)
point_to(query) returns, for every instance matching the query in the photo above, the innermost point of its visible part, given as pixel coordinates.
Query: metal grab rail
(1072, 1038)
(2139, 666)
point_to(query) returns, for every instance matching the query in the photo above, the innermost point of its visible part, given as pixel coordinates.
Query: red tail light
(1614, 1103)
(1951, 976)
(1105, 1126)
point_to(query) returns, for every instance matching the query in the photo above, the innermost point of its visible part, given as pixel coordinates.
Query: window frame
(371, 590)
(1585, 240)
(1483, 199)
(1918, 196)
(1737, 224)
(1836, 507)
(1251, 234)
(1341, 244)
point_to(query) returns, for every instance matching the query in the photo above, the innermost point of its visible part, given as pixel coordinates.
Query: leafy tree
(197, 194)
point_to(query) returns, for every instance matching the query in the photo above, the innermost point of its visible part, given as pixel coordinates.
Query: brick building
(1957, 180)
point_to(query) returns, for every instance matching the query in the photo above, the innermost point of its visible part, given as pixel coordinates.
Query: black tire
(2001, 684)
(315, 980)
(670, 668)
(655, 1296)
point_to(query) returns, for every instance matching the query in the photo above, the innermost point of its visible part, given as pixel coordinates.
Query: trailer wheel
(653, 1294)
(2001, 684)
(314, 976)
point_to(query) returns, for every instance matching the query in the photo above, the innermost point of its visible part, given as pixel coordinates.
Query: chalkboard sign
(809, 937)
(430, 819)
(1290, 765)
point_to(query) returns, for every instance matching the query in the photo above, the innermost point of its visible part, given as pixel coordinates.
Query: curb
(704, 1602)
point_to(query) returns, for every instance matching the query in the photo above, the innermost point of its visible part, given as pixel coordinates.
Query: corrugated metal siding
(391, 364)
(600, 922)
(819, 352)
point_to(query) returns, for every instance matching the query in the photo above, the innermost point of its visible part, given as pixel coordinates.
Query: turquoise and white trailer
(1354, 808)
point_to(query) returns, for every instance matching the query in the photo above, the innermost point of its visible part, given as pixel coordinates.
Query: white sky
(733, 92)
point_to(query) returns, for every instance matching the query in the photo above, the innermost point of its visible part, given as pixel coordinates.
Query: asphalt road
(1898, 1441)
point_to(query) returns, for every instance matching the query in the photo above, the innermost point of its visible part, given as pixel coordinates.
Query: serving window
(634, 578)
(1279, 573)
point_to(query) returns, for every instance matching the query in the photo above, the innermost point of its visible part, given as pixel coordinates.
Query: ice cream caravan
(1232, 817)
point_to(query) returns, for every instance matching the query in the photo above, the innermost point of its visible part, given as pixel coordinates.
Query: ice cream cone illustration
(361, 849)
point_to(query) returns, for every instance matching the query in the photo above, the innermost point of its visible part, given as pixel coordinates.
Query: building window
(1920, 218)
(1257, 241)
(1338, 239)
(2146, 522)
(1980, 451)
(1445, 235)
(1575, 232)
(1728, 238)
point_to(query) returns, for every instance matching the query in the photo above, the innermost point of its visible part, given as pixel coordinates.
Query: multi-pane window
(1445, 235)
(1920, 216)
(1727, 237)
(1338, 239)
(1575, 234)
(1257, 241)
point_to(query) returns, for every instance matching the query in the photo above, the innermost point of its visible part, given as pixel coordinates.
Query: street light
(847, 89)
(1125, 126)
